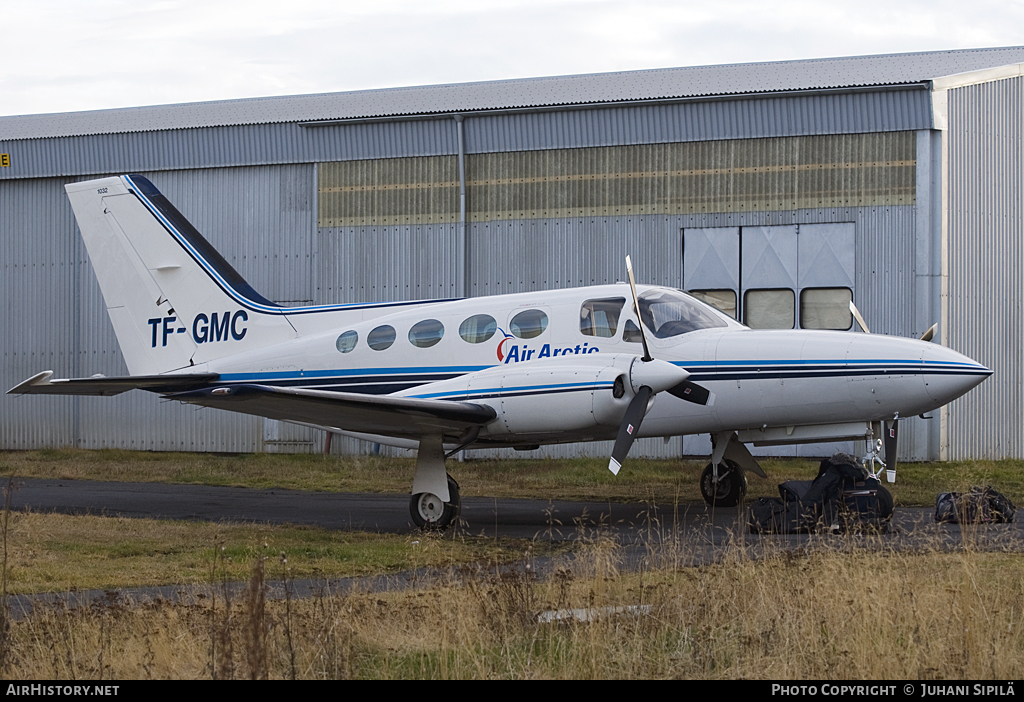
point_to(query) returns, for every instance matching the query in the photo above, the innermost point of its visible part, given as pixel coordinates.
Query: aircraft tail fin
(173, 300)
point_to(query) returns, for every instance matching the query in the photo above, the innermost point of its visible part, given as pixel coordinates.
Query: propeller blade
(629, 428)
(892, 430)
(930, 334)
(636, 309)
(860, 320)
(691, 392)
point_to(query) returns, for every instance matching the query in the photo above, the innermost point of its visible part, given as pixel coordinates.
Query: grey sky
(65, 56)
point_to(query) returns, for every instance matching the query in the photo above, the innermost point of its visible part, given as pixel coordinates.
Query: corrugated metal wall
(401, 242)
(986, 264)
(266, 144)
(565, 218)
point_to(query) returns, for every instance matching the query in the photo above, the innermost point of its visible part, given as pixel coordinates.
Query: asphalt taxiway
(549, 520)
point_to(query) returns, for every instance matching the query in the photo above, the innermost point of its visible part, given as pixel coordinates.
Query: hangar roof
(579, 90)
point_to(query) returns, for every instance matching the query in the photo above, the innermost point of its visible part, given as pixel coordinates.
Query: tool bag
(982, 505)
(841, 497)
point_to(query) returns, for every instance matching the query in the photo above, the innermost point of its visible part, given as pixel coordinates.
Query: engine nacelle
(556, 396)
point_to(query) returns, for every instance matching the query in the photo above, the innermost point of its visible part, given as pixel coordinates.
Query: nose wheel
(430, 512)
(730, 488)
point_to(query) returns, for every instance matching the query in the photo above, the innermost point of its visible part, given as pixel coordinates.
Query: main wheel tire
(731, 487)
(430, 512)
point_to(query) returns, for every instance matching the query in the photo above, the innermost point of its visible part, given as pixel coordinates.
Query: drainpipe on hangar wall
(462, 245)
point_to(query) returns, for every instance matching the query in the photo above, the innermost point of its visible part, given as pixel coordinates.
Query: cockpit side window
(670, 313)
(601, 317)
(631, 333)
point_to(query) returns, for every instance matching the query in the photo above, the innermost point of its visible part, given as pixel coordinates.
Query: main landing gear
(435, 502)
(728, 489)
(431, 512)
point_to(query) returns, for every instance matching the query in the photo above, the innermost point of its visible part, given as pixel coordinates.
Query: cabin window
(347, 341)
(769, 309)
(601, 317)
(722, 300)
(670, 313)
(381, 338)
(826, 308)
(426, 333)
(478, 328)
(528, 324)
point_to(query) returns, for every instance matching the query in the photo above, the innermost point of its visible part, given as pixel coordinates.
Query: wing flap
(43, 384)
(344, 411)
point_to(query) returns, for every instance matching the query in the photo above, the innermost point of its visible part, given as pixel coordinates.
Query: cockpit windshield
(671, 313)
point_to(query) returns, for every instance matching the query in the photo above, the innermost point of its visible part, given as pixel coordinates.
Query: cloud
(69, 56)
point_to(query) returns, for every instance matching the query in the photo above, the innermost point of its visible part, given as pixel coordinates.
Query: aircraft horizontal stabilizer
(378, 414)
(40, 384)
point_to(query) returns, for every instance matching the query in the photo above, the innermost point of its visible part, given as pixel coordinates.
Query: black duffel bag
(982, 505)
(842, 496)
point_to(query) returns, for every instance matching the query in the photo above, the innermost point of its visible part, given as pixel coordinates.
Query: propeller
(649, 376)
(927, 336)
(860, 320)
(892, 430)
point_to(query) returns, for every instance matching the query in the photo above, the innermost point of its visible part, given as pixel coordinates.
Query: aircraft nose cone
(951, 374)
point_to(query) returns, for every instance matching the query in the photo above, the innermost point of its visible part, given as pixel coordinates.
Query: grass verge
(59, 553)
(664, 481)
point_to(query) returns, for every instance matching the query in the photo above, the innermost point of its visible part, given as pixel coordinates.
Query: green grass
(55, 552)
(664, 481)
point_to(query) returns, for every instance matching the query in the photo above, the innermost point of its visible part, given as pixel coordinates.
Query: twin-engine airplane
(585, 364)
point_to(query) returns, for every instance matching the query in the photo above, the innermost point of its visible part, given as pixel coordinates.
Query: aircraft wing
(345, 411)
(41, 384)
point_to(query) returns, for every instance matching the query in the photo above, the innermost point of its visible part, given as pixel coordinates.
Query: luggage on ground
(841, 497)
(982, 505)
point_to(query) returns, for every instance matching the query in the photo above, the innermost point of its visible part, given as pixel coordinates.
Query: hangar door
(798, 276)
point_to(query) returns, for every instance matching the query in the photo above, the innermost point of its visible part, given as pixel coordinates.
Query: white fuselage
(760, 378)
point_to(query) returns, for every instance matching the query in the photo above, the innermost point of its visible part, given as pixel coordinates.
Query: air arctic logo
(501, 345)
(511, 352)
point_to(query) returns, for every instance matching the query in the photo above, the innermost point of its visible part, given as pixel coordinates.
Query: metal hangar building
(776, 191)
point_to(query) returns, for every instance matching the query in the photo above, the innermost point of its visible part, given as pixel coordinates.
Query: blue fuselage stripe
(378, 381)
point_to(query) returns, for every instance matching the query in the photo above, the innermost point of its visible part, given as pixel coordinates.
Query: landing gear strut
(730, 488)
(430, 512)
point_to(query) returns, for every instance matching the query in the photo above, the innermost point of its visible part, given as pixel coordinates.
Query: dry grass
(835, 611)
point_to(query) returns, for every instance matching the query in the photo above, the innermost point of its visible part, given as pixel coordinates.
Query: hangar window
(671, 313)
(722, 300)
(347, 341)
(826, 308)
(426, 333)
(528, 324)
(601, 317)
(381, 338)
(478, 328)
(769, 309)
